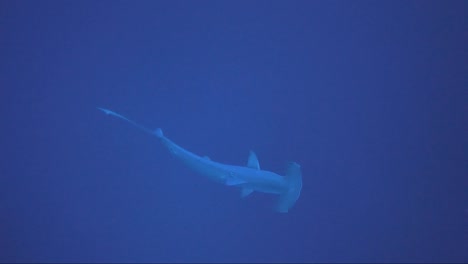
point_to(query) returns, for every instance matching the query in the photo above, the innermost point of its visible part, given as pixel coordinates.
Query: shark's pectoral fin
(231, 181)
(245, 192)
(253, 161)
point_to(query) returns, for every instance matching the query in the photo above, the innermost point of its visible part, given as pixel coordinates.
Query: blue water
(369, 97)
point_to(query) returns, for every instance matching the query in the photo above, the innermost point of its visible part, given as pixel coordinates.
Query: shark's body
(250, 178)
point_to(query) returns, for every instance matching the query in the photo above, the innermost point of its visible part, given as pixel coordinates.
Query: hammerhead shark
(248, 178)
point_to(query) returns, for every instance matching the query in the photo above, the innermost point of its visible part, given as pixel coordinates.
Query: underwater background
(369, 97)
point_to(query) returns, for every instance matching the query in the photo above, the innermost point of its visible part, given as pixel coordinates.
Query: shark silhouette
(249, 178)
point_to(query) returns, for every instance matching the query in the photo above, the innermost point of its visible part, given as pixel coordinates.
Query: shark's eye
(172, 150)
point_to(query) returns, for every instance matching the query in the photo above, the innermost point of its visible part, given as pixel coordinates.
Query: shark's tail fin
(294, 181)
(158, 132)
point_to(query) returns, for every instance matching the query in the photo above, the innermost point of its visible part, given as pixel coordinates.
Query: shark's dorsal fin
(253, 161)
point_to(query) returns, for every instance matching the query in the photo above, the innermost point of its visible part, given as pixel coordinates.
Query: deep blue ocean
(369, 97)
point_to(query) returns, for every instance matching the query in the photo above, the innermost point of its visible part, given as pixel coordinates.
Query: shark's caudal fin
(157, 132)
(294, 181)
